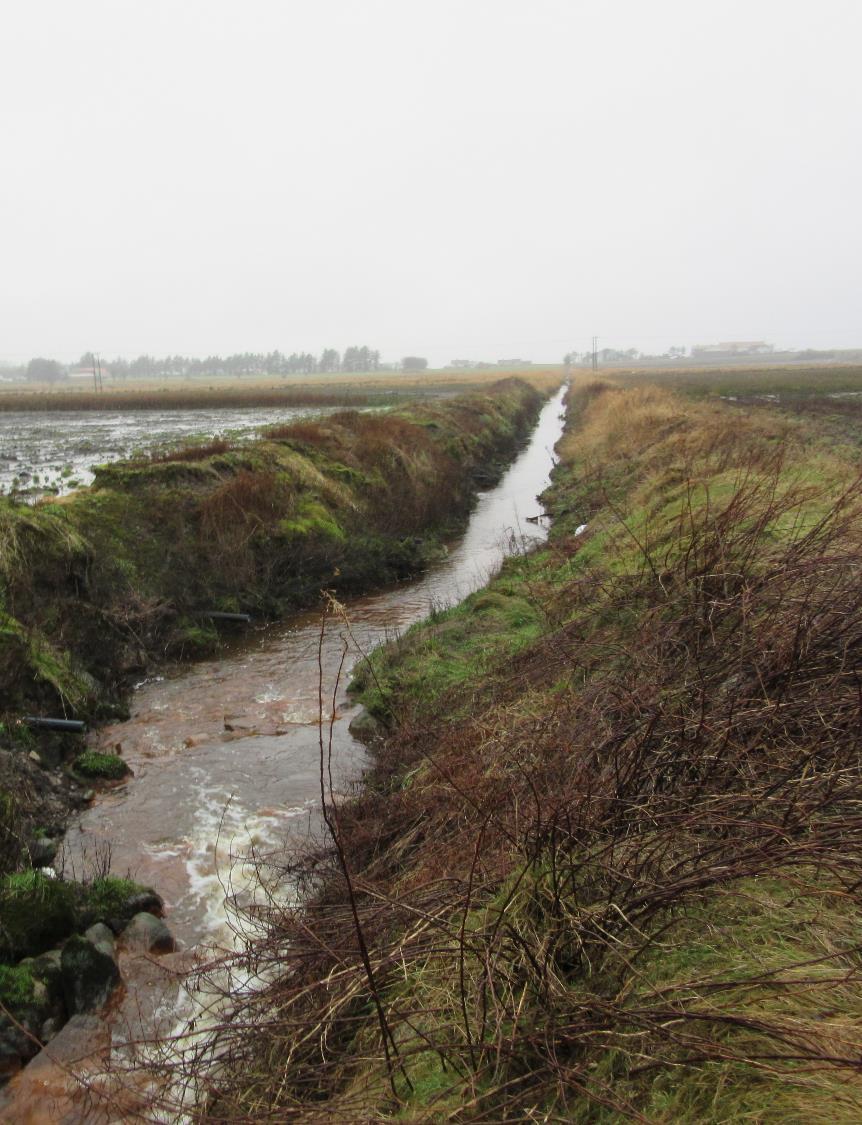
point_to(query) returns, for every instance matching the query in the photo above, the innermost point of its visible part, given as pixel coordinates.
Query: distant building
(88, 372)
(514, 363)
(727, 349)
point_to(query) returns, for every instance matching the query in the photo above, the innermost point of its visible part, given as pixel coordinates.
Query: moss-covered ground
(109, 767)
(608, 859)
(38, 910)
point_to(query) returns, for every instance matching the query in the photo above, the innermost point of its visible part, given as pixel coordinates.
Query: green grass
(461, 644)
(769, 948)
(107, 767)
(16, 987)
(107, 898)
(35, 912)
(309, 519)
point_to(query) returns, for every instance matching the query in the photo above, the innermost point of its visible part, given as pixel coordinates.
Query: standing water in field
(54, 451)
(225, 753)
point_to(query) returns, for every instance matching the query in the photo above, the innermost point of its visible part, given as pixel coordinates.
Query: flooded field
(54, 453)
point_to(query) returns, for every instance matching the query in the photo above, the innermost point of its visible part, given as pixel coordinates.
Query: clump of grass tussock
(109, 767)
(24, 529)
(197, 451)
(614, 872)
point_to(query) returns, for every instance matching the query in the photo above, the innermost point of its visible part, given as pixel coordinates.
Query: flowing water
(225, 753)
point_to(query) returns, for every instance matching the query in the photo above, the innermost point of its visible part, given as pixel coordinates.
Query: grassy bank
(96, 586)
(607, 864)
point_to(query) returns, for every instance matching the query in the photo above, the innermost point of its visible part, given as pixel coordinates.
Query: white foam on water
(231, 852)
(148, 680)
(160, 852)
(270, 694)
(302, 715)
(230, 875)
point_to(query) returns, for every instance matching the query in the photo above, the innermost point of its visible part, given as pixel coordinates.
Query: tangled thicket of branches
(628, 886)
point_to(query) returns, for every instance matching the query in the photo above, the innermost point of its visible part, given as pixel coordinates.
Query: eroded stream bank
(224, 753)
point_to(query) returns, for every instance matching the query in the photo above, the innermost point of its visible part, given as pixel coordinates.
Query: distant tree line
(247, 363)
(353, 359)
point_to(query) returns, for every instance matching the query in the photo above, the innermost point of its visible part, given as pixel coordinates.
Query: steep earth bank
(607, 863)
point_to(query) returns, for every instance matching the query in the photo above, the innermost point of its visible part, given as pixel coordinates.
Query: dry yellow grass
(657, 426)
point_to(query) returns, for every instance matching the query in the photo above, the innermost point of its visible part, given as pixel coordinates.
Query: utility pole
(595, 354)
(99, 363)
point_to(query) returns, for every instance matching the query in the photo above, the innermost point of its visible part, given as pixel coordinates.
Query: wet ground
(42, 453)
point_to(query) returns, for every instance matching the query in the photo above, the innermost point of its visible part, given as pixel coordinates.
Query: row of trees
(330, 360)
(246, 363)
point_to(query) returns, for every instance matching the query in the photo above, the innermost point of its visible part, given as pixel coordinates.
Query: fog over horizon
(472, 179)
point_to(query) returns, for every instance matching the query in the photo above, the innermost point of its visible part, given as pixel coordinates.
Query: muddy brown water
(225, 753)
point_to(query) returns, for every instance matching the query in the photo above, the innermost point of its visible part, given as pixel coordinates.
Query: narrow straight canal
(225, 760)
(225, 753)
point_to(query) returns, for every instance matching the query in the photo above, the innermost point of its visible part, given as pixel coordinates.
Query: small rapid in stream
(225, 753)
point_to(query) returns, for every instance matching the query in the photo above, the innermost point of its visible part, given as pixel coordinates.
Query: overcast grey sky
(476, 178)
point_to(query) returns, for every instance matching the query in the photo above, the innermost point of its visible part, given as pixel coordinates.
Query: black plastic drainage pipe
(217, 615)
(69, 726)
